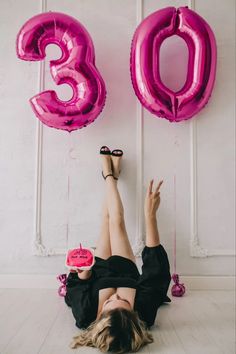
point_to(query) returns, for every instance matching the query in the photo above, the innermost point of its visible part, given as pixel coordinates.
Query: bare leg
(118, 236)
(103, 247)
(120, 244)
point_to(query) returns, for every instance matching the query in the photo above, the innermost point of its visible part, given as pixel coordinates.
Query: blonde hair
(117, 331)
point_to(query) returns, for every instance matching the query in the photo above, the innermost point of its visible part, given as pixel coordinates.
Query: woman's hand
(82, 274)
(152, 200)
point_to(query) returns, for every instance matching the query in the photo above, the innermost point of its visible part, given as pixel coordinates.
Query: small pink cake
(80, 258)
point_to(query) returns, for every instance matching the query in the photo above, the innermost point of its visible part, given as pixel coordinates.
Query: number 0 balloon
(75, 67)
(144, 63)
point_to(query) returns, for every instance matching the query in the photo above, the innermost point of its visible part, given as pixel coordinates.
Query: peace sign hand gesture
(152, 200)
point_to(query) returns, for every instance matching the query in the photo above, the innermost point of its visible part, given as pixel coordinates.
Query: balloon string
(68, 190)
(174, 223)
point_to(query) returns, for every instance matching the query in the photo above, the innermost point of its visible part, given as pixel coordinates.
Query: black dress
(116, 271)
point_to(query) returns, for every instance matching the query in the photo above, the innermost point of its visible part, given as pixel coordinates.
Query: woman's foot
(106, 161)
(116, 156)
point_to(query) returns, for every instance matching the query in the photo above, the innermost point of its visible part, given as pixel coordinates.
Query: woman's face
(115, 301)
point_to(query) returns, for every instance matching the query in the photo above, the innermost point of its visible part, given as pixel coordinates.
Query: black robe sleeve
(78, 297)
(153, 283)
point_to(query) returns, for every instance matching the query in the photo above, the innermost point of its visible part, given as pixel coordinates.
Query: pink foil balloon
(145, 65)
(75, 67)
(177, 289)
(62, 289)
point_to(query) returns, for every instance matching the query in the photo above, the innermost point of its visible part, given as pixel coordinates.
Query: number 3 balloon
(76, 67)
(144, 63)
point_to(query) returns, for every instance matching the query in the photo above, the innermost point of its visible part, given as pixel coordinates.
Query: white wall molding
(196, 250)
(139, 239)
(191, 4)
(39, 249)
(35, 281)
(208, 282)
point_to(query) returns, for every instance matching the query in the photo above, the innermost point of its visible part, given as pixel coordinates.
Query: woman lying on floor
(112, 302)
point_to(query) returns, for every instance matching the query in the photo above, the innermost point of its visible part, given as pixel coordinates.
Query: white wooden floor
(38, 321)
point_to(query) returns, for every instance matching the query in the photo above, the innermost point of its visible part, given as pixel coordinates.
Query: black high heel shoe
(118, 153)
(105, 152)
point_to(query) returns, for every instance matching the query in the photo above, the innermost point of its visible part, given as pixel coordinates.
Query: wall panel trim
(39, 248)
(139, 237)
(196, 250)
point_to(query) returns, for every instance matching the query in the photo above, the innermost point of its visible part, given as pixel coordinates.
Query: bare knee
(105, 215)
(117, 220)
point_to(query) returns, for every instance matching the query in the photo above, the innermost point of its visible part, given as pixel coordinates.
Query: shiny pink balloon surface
(145, 65)
(62, 289)
(177, 289)
(75, 67)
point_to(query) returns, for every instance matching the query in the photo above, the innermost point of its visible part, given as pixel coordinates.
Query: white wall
(65, 185)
